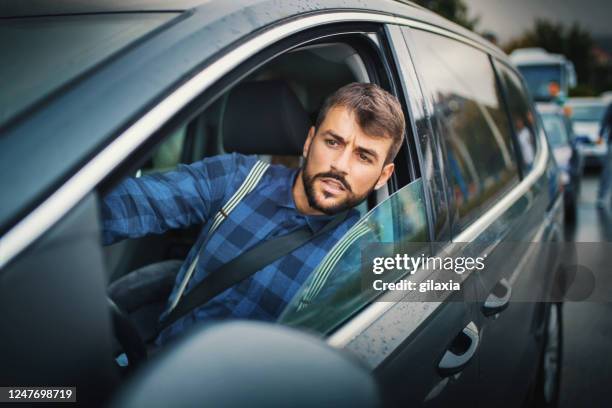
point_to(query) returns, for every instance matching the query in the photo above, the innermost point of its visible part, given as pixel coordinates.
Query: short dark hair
(378, 112)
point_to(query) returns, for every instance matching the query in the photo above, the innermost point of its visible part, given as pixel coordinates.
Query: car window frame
(379, 72)
(357, 35)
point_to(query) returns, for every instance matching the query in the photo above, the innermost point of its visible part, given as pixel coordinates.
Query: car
(567, 152)
(97, 92)
(586, 115)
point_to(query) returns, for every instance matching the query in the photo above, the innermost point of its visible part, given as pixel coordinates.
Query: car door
(55, 323)
(512, 338)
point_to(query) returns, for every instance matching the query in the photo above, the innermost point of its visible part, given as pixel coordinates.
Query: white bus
(544, 72)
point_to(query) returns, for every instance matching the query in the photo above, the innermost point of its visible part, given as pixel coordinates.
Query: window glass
(555, 130)
(431, 161)
(521, 115)
(334, 291)
(471, 119)
(167, 155)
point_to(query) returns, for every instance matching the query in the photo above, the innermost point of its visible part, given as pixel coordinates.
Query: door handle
(460, 352)
(498, 299)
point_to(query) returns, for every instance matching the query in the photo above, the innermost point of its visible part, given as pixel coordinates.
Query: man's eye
(331, 142)
(364, 157)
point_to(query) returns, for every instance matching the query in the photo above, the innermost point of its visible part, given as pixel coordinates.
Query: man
(606, 175)
(348, 153)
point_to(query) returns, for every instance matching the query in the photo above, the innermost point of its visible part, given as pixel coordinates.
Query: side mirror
(242, 363)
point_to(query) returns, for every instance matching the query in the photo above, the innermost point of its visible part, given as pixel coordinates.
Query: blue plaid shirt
(193, 194)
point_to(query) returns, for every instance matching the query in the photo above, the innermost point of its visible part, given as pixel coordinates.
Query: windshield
(41, 54)
(539, 77)
(588, 113)
(555, 130)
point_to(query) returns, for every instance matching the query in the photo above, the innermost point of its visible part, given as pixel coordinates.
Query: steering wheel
(127, 335)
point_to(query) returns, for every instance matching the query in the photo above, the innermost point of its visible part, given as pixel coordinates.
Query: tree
(454, 10)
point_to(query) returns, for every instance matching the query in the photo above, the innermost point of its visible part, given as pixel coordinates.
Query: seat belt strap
(243, 266)
(250, 182)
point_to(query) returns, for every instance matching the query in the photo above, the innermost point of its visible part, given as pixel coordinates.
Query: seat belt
(243, 266)
(248, 185)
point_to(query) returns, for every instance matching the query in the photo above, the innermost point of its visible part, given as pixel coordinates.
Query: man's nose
(341, 161)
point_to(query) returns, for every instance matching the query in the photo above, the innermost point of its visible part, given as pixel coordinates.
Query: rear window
(40, 54)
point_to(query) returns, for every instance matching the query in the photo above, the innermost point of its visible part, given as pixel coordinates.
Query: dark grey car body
(60, 152)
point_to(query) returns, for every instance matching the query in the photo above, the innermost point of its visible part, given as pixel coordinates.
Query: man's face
(343, 164)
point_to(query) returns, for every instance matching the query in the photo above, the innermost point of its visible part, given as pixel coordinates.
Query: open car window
(206, 134)
(335, 290)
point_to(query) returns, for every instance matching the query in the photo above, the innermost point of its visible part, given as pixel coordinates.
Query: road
(587, 360)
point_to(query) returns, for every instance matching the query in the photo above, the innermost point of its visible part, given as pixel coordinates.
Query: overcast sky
(510, 18)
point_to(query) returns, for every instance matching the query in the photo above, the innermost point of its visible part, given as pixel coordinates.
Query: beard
(350, 201)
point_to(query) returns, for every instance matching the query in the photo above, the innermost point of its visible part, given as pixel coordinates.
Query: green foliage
(454, 10)
(583, 90)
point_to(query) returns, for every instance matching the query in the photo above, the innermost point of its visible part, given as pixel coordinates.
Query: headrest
(264, 118)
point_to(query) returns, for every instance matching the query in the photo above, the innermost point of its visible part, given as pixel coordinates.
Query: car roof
(535, 56)
(43, 147)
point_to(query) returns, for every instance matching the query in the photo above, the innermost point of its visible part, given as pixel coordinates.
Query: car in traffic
(586, 114)
(98, 92)
(567, 152)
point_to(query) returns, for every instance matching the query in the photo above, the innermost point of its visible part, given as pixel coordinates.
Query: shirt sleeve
(155, 203)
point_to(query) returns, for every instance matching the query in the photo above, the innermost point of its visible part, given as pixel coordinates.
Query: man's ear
(386, 173)
(311, 133)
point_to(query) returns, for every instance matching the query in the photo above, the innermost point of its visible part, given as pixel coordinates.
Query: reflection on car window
(473, 122)
(522, 117)
(334, 291)
(555, 130)
(167, 155)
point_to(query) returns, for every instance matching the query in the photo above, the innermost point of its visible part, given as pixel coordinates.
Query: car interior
(268, 114)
